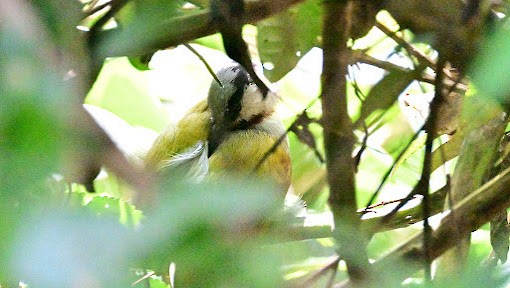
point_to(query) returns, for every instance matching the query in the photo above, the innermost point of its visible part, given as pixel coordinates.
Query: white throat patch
(254, 104)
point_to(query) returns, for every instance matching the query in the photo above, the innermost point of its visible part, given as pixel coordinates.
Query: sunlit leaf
(284, 38)
(384, 94)
(140, 62)
(122, 90)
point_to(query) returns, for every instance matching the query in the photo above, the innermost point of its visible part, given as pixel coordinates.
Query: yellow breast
(239, 154)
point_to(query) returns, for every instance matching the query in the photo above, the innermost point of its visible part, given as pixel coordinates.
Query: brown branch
(317, 275)
(406, 217)
(339, 139)
(430, 128)
(199, 24)
(360, 56)
(422, 58)
(371, 225)
(471, 213)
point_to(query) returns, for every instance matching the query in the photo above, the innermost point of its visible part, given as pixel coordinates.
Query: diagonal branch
(373, 224)
(470, 214)
(193, 26)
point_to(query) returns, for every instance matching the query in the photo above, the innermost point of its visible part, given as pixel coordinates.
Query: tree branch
(339, 139)
(193, 26)
(371, 225)
(470, 214)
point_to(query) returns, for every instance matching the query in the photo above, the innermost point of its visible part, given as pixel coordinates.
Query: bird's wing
(242, 151)
(180, 139)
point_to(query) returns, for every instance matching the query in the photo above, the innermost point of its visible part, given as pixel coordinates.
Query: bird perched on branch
(234, 132)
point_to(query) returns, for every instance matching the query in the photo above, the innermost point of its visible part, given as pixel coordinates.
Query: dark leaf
(500, 233)
(300, 128)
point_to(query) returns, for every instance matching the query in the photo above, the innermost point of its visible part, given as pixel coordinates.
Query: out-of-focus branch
(359, 56)
(339, 139)
(431, 129)
(370, 226)
(477, 209)
(406, 217)
(198, 25)
(422, 58)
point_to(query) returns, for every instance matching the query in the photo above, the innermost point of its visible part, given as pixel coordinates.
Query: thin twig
(392, 168)
(283, 136)
(360, 56)
(422, 58)
(406, 45)
(147, 275)
(202, 59)
(317, 275)
(371, 225)
(478, 208)
(430, 128)
(404, 201)
(384, 203)
(363, 147)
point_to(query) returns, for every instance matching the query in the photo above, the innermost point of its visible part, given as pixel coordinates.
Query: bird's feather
(176, 139)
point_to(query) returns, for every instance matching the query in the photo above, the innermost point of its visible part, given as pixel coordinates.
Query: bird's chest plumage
(255, 152)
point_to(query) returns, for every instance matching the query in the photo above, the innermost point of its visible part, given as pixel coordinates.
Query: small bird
(228, 134)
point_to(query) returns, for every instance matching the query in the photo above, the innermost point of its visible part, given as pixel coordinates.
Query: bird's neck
(250, 123)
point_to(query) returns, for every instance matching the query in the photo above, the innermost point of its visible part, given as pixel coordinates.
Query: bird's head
(237, 102)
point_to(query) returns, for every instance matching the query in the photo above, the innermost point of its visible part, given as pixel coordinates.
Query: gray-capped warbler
(228, 134)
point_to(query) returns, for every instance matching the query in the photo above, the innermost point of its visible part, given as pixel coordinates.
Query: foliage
(60, 54)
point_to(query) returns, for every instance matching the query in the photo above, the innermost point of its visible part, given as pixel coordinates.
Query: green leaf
(141, 62)
(384, 94)
(212, 41)
(104, 206)
(195, 227)
(142, 26)
(447, 151)
(284, 38)
(123, 90)
(490, 76)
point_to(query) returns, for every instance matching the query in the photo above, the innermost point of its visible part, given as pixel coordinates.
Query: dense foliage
(426, 94)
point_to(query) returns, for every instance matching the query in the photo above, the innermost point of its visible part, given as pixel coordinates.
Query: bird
(234, 132)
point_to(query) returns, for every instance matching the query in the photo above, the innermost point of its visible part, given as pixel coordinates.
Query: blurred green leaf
(200, 227)
(123, 90)
(284, 38)
(489, 70)
(384, 94)
(59, 247)
(115, 208)
(140, 62)
(146, 21)
(60, 17)
(212, 41)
